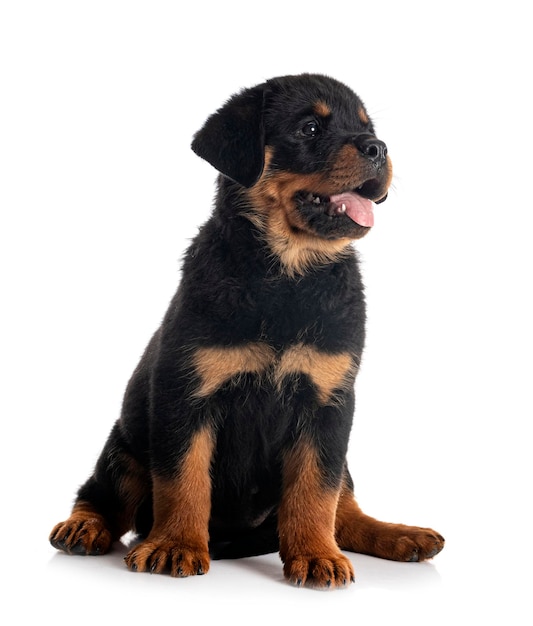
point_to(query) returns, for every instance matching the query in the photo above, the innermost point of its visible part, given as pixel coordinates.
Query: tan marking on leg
(361, 533)
(328, 372)
(84, 532)
(305, 528)
(87, 531)
(182, 505)
(306, 522)
(217, 365)
(179, 537)
(133, 488)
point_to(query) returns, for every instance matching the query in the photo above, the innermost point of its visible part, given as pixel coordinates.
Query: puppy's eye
(309, 129)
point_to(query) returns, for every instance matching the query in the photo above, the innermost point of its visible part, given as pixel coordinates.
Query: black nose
(371, 147)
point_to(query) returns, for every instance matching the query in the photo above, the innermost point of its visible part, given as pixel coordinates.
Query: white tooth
(343, 207)
(316, 200)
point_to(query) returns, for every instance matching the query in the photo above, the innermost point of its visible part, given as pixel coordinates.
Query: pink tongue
(359, 209)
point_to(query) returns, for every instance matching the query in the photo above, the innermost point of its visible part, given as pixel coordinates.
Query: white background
(99, 195)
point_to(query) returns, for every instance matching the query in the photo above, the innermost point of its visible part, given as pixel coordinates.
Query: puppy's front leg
(178, 541)
(306, 521)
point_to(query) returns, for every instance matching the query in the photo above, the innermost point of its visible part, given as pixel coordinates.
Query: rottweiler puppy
(234, 428)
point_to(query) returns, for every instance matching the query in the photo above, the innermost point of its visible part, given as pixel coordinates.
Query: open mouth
(349, 204)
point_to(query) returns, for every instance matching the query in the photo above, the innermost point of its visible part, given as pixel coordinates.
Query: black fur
(236, 291)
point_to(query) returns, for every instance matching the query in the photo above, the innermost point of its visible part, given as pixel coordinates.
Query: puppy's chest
(281, 335)
(255, 362)
(292, 340)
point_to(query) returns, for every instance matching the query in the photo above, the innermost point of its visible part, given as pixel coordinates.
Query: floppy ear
(233, 138)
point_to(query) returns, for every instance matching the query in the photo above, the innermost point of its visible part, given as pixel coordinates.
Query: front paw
(322, 571)
(169, 556)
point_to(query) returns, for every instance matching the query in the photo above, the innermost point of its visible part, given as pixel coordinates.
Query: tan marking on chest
(217, 365)
(328, 372)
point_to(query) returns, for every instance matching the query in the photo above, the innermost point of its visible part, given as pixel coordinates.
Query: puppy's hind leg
(85, 532)
(357, 532)
(107, 504)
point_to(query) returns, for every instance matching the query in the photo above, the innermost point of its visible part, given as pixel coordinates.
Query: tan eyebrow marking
(322, 109)
(363, 115)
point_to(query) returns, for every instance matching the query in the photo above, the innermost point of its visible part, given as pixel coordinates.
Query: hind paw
(81, 535)
(415, 544)
(399, 542)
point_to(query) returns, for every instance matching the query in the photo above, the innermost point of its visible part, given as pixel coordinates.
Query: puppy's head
(305, 153)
